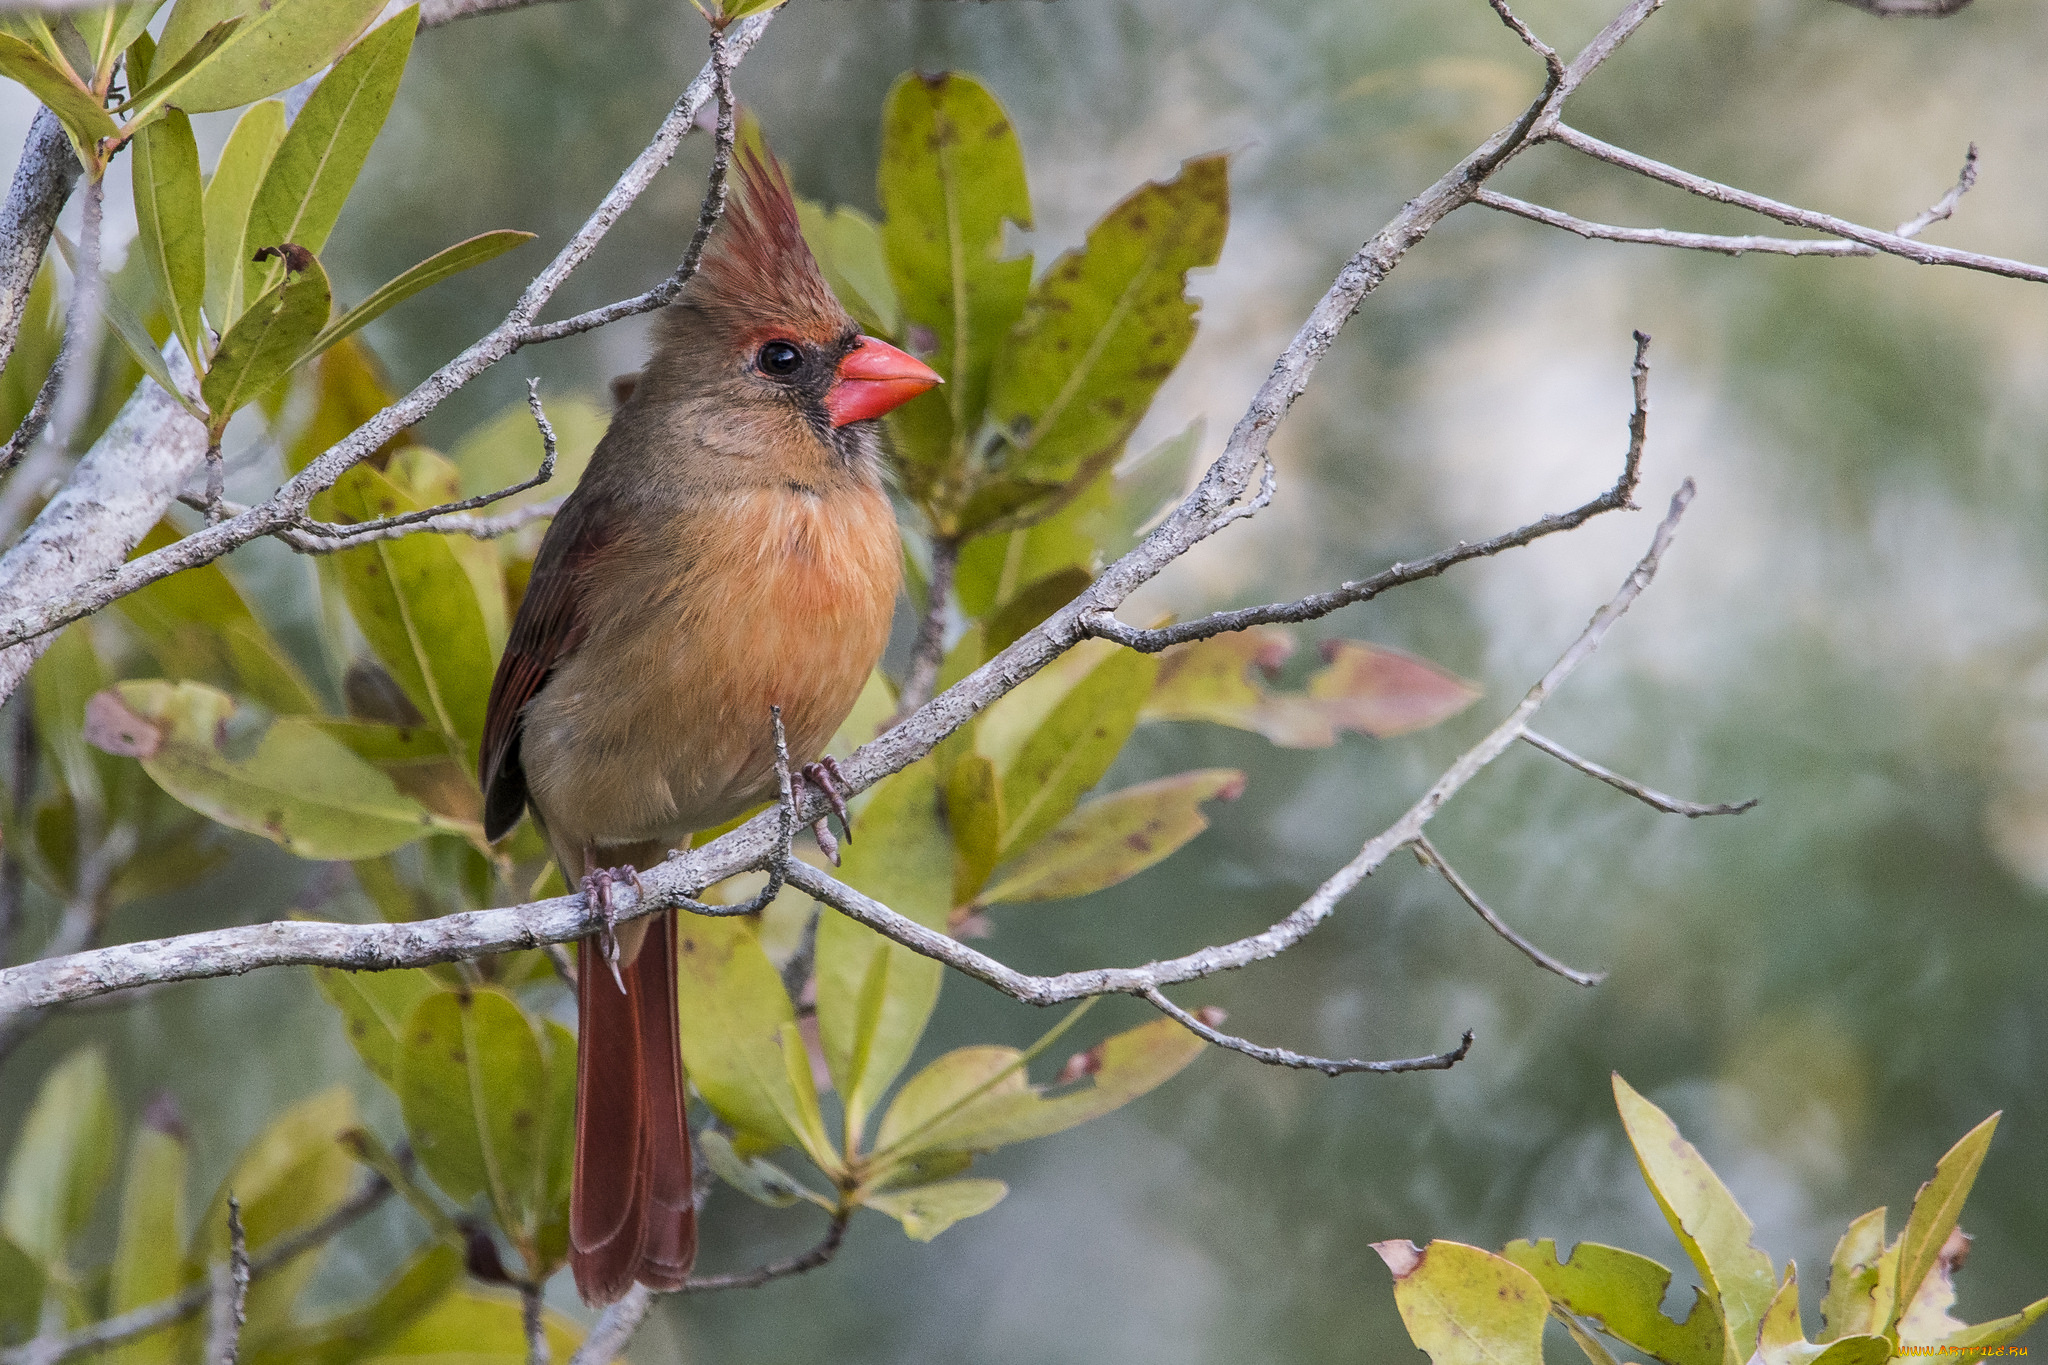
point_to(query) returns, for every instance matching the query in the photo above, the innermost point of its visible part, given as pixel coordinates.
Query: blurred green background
(1853, 625)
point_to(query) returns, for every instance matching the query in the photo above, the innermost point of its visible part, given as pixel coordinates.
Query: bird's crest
(757, 266)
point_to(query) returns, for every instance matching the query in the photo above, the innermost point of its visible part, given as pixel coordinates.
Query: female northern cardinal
(729, 549)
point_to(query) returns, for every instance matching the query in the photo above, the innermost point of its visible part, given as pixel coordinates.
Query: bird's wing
(550, 624)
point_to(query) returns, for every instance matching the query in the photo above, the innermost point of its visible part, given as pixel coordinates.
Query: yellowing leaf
(1623, 1293)
(1465, 1306)
(1710, 1224)
(277, 45)
(152, 1225)
(1114, 837)
(266, 341)
(1073, 746)
(170, 222)
(929, 1210)
(848, 247)
(243, 162)
(1936, 1208)
(296, 787)
(1848, 1309)
(444, 264)
(475, 1327)
(1383, 692)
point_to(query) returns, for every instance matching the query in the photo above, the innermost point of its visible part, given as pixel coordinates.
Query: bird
(731, 548)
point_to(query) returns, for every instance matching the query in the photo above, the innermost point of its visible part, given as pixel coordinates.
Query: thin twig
(1280, 1056)
(1649, 796)
(230, 1295)
(1105, 626)
(154, 1317)
(1909, 9)
(383, 527)
(1688, 241)
(533, 1318)
(38, 415)
(616, 1326)
(1946, 205)
(930, 649)
(1551, 61)
(1426, 854)
(1890, 243)
(712, 210)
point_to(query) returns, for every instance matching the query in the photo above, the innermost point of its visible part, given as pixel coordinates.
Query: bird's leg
(826, 777)
(597, 891)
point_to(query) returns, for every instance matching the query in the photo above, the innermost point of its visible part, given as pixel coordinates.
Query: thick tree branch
(42, 182)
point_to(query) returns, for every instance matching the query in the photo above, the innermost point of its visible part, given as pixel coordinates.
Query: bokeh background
(1852, 626)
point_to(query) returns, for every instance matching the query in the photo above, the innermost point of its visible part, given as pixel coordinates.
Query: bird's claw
(826, 777)
(597, 891)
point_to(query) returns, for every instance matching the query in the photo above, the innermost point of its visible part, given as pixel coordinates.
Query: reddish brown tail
(630, 1215)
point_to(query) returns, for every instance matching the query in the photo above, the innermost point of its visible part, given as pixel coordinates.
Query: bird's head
(759, 332)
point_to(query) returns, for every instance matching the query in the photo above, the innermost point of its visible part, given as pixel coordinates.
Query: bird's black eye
(779, 359)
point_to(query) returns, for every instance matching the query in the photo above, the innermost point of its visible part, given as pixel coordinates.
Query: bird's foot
(597, 891)
(826, 777)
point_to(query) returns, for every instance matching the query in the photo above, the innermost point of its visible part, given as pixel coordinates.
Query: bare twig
(720, 67)
(38, 415)
(1649, 796)
(1946, 205)
(154, 1317)
(230, 1295)
(930, 649)
(1891, 243)
(1689, 241)
(1622, 494)
(385, 528)
(616, 1327)
(533, 1318)
(1909, 9)
(1551, 61)
(1280, 1056)
(1426, 854)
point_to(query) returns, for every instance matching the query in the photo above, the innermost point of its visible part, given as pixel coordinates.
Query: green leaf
(229, 195)
(296, 787)
(290, 1177)
(759, 1180)
(951, 176)
(929, 1210)
(65, 679)
(387, 745)
(974, 813)
(317, 163)
(112, 30)
(170, 222)
(198, 626)
(1856, 1351)
(733, 1009)
(146, 1267)
(279, 44)
(1848, 1308)
(471, 1080)
(1710, 1224)
(76, 108)
(175, 77)
(1114, 837)
(1936, 1208)
(418, 608)
(1780, 1340)
(22, 1283)
(1073, 747)
(374, 1008)
(1106, 325)
(266, 342)
(135, 339)
(847, 245)
(1465, 1306)
(441, 265)
(474, 1327)
(62, 1159)
(419, 1285)
(1623, 1293)
(874, 996)
(35, 348)
(1126, 1065)
(740, 9)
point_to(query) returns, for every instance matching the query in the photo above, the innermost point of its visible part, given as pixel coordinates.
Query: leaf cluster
(1886, 1300)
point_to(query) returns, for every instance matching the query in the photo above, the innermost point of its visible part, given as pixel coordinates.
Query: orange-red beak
(875, 378)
